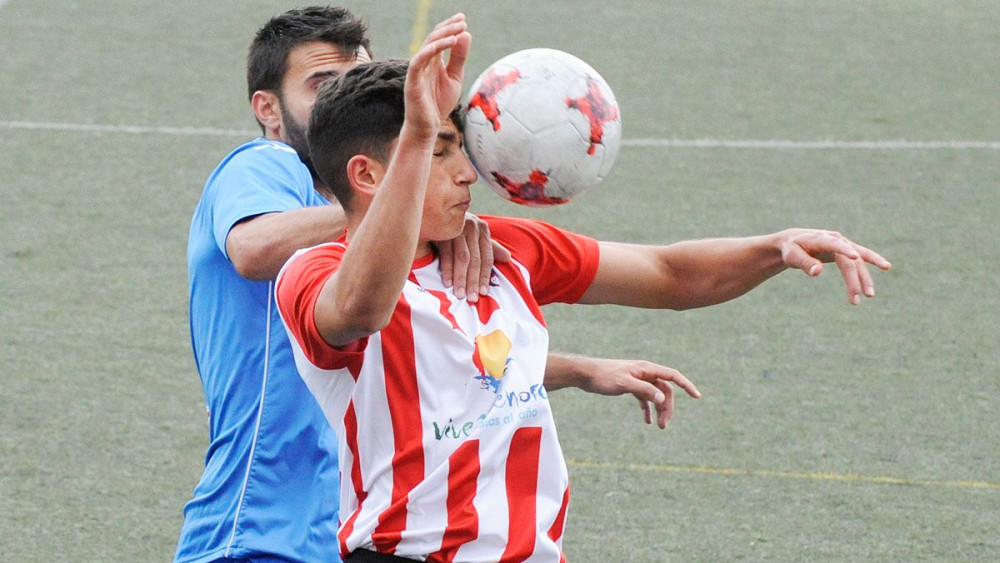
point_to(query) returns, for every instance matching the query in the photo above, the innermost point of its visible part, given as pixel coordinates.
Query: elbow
(369, 325)
(364, 316)
(680, 306)
(250, 268)
(354, 324)
(250, 259)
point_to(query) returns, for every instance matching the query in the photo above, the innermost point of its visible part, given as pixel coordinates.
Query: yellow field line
(420, 25)
(840, 477)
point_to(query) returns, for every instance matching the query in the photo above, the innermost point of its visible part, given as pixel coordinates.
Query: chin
(451, 231)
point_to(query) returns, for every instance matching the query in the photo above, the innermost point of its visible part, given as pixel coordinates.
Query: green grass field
(826, 432)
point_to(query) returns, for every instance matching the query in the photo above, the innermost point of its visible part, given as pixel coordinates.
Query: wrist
(777, 246)
(569, 370)
(418, 134)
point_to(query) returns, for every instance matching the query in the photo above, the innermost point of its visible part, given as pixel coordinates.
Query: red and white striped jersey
(448, 449)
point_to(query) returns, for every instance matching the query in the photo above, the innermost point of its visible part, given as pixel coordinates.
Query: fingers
(646, 411)
(867, 284)
(443, 37)
(659, 395)
(459, 53)
(849, 271)
(430, 84)
(500, 254)
(446, 255)
(872, 257)
(452, 26)
(486, 259)
(471, 282)
(457, 17)
(657, 374)
(665, 408)
(467, 260)
(809, 249)
(652, 384)
(429, 53)
(796, 257)
(460, 257)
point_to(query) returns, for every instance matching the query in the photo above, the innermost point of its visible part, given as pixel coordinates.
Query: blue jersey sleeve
(264, 177)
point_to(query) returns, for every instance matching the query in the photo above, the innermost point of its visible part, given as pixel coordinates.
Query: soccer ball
(541, 127)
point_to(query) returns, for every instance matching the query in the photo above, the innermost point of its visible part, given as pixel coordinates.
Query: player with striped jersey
(446, 439)
(445, 407)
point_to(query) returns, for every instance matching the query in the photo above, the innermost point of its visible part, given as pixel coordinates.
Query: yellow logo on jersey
(491, 357)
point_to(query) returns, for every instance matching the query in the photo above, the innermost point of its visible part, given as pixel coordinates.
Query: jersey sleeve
(266, 178)
(562, 264)
(297, 290)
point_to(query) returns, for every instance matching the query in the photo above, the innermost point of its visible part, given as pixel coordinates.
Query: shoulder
(308, 267)
(561, 263)
(520, 235)
(264, 168)
(262, 157)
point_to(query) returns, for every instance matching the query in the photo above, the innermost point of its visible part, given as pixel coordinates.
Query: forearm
(260, 246)
(568, 370)
(712, 271)
(684, 275)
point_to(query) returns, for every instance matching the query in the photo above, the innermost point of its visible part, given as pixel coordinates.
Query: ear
(267, 108)
(365, 174)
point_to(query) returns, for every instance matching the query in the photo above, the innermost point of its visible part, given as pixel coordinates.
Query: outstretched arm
(699, 273)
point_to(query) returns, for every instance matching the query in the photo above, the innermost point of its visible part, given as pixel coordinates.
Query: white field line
(652, 143)
(131, 129)
(899, 144)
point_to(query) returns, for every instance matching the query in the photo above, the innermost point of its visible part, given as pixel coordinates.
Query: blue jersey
(270, 485)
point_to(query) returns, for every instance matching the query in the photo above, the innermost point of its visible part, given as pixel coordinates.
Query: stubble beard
(295, 137)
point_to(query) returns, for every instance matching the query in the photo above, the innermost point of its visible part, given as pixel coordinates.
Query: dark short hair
(359, 112)
(267, 59)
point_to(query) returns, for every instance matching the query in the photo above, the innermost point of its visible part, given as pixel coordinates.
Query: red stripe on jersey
(485, 308)
(513, 274)
(446, 308)
(351, 437)
(556, 531)
(522, 488)
(463, 520)
(404, 412)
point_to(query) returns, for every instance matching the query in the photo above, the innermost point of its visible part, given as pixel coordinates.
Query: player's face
(309, 66)
(448, 196)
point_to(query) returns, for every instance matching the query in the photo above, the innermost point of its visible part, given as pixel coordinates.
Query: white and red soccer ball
(541, 127)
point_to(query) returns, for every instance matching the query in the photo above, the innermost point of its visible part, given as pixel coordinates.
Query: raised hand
(433, 87)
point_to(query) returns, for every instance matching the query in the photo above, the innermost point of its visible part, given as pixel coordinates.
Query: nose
(466, 174)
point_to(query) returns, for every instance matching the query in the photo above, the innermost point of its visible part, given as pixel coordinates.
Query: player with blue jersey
(265, 444)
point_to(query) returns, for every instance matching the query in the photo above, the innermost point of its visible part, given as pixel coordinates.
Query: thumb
(796, 257)
(500, 254)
